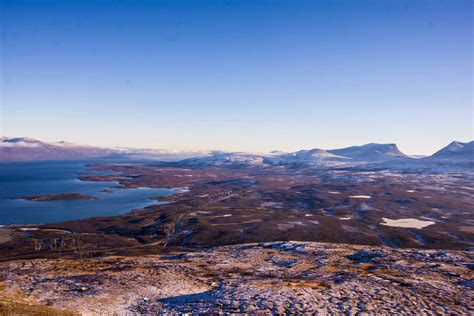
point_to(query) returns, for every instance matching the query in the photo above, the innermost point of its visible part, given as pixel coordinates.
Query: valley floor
(265, 278)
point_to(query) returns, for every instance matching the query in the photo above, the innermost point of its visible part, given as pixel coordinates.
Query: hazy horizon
(249, 76)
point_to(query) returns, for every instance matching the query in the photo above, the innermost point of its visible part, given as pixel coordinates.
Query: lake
(21, 179)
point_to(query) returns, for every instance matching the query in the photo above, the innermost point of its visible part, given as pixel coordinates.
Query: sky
(238, 75)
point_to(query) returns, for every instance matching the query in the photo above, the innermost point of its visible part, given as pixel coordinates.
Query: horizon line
(223, 150)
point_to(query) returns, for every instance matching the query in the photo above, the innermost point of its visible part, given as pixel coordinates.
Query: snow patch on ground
(360, 197)
(271, 204)
(365, 207)
(406, 223)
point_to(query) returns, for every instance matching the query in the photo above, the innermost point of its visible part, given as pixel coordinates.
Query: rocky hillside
(268, 278)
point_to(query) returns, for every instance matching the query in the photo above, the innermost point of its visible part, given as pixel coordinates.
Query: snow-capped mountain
(276, 158)
(371, 152)
(26, 149)
(314, 156)
(455, 151)
(219, 158)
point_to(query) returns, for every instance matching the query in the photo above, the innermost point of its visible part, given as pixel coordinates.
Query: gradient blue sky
(238, 75)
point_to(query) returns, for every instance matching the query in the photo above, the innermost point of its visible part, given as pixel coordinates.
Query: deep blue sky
(238, 75)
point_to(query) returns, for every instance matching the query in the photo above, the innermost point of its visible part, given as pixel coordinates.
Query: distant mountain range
(30, 149)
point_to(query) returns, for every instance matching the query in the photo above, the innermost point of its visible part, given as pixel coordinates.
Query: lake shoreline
(53, 192)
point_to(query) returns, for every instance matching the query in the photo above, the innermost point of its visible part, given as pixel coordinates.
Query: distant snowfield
(407, 223)
(360, 197)
(18, 144)
(345, 218)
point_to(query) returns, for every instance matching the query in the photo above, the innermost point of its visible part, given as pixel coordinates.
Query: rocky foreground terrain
(264, 278)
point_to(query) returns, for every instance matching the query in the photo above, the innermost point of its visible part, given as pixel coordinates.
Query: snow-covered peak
(455, 146)
(370, 152)
(318, 154)
(456, 150)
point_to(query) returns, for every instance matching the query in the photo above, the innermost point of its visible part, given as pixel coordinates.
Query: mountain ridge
(371, 151)
(457, 150)
(30, 149)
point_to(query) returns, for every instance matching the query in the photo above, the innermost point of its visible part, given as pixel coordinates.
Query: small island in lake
(61, 196)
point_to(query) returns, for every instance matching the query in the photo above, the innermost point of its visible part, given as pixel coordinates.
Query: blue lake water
(43, 178)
